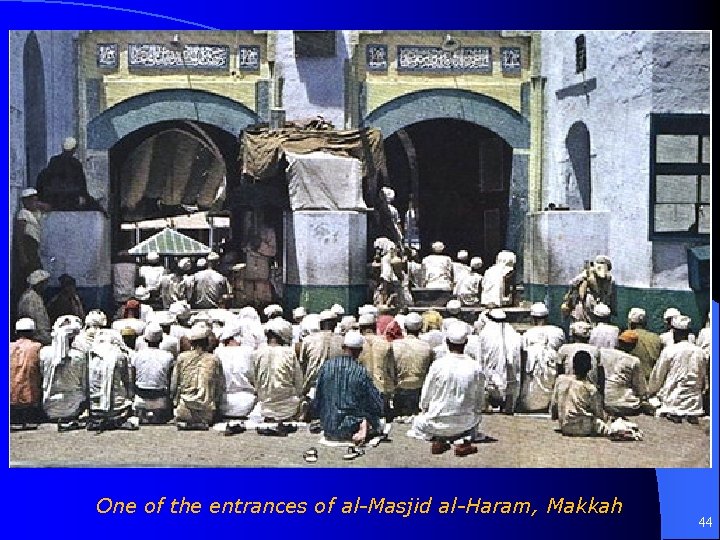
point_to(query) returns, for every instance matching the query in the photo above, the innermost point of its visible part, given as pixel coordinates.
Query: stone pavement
(520, 441)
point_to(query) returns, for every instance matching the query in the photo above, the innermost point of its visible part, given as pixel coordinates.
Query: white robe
(679, 379)
(604, 336)
(500, 347)
(438, 270)
(452, 398)
(493, 285)
(237, 363)
(554, 335)
(540, 376)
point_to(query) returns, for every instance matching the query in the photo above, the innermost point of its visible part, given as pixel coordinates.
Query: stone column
(325, 259)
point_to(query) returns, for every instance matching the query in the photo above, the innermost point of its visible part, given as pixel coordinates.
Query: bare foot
(361, 434)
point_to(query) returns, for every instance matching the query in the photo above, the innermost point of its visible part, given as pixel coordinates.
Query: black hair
(582, 364)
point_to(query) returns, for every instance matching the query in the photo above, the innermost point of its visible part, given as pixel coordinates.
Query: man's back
(555, 335)
(576, 404)
(412, 361)
(679, 379)
(64, 382)
(152, 368)
(625, 383)
(25, 372)
(438, 270)
(209, 287)
(604, 336)
(379, 361)
(648, 349)
(278, 381)
(31, 305)
(316, 349)
(198, 380)
(567, 352)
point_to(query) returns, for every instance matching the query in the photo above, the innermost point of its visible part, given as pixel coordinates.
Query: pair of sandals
(352, 452)
(281, 430)
(234, 428)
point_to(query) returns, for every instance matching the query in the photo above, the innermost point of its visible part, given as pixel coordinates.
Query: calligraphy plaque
(153, 55)
(510, 59)
(466, 59)
(376, 57)
(248, 57)
(107, 55)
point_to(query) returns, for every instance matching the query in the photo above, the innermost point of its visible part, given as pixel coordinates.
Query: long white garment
(625, 383)
(107, 365)
(64, 383)
(679, 379)
(500, 347)
(667, 338)
(467, 288)
(493, 285)
(554, 335)
(151, 276)
(540, 376)
(704, 341)
(438, 270)
(238, 368)
(278, 381)
(210, 285)
(452, 397)
(604, 336)
(460, 271)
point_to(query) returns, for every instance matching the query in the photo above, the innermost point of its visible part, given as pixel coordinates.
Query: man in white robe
(667, 337)
(604, 335)
(452, 398)
(32, 306)
(467, 287)
(497, 281)
(151, 273)
(625, 385)
(460, 266)
(210, 286)
(680, 376)
(539, 314)
(500, 350)
(580, 334)
(438, 268)
(238, 368)
(540, 374)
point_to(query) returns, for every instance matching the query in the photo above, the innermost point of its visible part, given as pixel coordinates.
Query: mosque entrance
(458, 175)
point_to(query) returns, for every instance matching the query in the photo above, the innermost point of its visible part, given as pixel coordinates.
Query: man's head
(29, 197)
(338, 310)
(67, 283)
(681, 327)
(25, 328)
(413, 323)
(353, 343)
(279, 331)
(637, 318)
(213, 259)
(389, 194)
(602, 313)
(627, 340)
(132, 309)
(129, 337)
(580, 331)
(181, 311)
(453, 307)
(539, 313)
(366, 323)
(184, 265)
(69, 145)
(141, 294)
(272, 311)
(165, 319)
(497, 315)
(669, 315)
(463, 256)
(298, 314)
(582, 364)
(602, 266)
(328, 320)
(38, 280)
(199, 336)
(456, 336)
(96, 319)
(437, 247)
(153, 334)
(476, 264)
(153, 257)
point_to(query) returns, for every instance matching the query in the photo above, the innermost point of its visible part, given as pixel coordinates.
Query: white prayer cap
(681, 322)
(462, 255)
(383, 243)
(273, 309)
(71, 322)
(389, 194)
(497, 315)
(198, 331)
(153, 333)
(347, 323)
(637, 315)
(281, 328)
(603, 259)
(434, 338)
(538, 309)
(453, 306)
(601, 310)
(200, 316)
(327, 315)
(28, 192)
(38, 276)
(164, 317)
(506, 257)
(248, 312)
(413, 321)
(580, 329)
(180, 309)
(184, 264)
(141, 293)
(338, 310)
(153, 256)
(25, 324)
(230, 330)
(457, 333)
(212, 257)
(310, 324)
(366, 319)
(476, 262)
(354, 340)
(670, 313)
(368, 309)
(70, 143)
(438, 247)
(299, 312)
(96, 319)
(201, 263)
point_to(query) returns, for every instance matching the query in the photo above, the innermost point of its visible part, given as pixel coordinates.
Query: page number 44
(705, 522)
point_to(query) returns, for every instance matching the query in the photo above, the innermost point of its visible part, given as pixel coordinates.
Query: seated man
(197, 382)
(580, 334)
(539, 314)
(150, 373)
(625, 385)
(438, 268)
(452, 398)
(540, 373)
(412, 362)
(346, 400)
(604, 335)
(576, 402)
(25, 379)
(236, 357)
(378, 359)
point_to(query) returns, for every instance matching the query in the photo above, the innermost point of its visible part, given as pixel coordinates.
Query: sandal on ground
(439, 447)
(315, 426)
(310, 455)
(234, 428)
(465, 449)
(353, 452)
(271, 432)
(64, 427)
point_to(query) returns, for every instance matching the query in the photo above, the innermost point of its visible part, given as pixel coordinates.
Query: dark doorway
(463, 176)
(35, 115)
(577, 143)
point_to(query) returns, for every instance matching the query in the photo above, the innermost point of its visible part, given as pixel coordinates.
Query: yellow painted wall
(383, 87)
(122, 83)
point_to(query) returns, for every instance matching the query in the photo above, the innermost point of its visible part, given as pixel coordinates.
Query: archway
(35, 112)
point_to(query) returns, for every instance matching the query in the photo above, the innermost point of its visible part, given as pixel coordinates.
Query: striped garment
(345, 396)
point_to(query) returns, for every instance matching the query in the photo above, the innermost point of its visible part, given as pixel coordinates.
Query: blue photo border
(56, 501)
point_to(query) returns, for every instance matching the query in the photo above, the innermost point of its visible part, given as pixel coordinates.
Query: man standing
(680, 376)
(594, 285)
(497, 283)
(277, 374)
(32, 306)
(412, 362)
(460, 266)
(648, 346)
(625, 385)
(150, 373)
(25, 379)
(210, 285)
(151, 274)
(604, 335)
(28, 233)
(438, 268)
(62, 183)
(539, 314)
(317, 348)
(67, 301)
(197, 383)
(467, 287)
(500, 350)
(452, 398)
(347, 402)
(378, 359)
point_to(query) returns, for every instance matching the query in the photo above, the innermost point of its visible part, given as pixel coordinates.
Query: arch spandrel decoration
(165, 105)
(451, 103)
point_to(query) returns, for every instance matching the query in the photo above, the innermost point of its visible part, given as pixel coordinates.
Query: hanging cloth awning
(170, 242)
